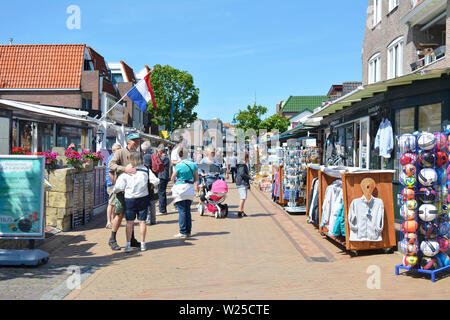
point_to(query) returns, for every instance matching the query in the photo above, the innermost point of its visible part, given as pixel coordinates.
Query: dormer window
(376, 12)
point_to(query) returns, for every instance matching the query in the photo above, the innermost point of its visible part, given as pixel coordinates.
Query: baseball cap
(132, 136)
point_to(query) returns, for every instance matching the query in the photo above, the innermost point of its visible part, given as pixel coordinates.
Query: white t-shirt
(135, 186)
(174, 155)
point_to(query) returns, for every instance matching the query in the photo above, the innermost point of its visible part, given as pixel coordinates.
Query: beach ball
(407, 214)
(426, 195)
(440, 141)
(429, 248)
(426, 141)
(407, 143)
(441, 158)
(410, 260)
(427, 177)
(410, 182)
(407, 248)
(428, 230)
(410, 238)
(429, 263)
(407, 194)
(426, 159)
(442, 259)
(409, 170)
(427, 212)
(409, 226)
(408, 158)
(443, 244)
(411, 204)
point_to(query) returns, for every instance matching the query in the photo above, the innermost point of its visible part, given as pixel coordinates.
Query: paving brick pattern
(267, 255)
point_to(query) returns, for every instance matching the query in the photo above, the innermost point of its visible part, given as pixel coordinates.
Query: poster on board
(22, 197)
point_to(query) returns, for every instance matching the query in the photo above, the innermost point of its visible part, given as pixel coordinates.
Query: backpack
(157, 164)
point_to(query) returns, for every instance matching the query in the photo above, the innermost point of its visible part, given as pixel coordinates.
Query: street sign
(22, 197)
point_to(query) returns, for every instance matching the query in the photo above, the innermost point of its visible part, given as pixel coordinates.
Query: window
(45, 137)
(67, 135)
(430, 118)
(374, 68)
(395, 58)
(376, 12)
(393, 4)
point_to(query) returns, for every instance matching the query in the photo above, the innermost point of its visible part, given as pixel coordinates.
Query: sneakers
(241, 214)
(127, 249)
(143, 246)
(181, 236)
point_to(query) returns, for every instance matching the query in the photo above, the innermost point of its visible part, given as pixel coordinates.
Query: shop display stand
(419, 189)
(312, 172)
(292, 177)
(351, 184)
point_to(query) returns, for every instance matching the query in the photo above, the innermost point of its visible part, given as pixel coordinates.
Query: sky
(238, 51)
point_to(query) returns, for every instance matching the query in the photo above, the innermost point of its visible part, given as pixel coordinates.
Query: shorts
(119, 203)
(131, 214)
(111, 195)
(242, 193)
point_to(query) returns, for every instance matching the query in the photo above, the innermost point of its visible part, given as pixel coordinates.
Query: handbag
(152, 195)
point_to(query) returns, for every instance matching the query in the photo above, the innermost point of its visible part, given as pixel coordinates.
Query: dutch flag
(142, 93)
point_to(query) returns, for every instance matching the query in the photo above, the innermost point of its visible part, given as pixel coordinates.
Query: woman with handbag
(184, 177)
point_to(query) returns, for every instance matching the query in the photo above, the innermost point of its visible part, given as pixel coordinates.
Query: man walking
(110, 180)
(163, 180)
(120, 164)
(232, 163)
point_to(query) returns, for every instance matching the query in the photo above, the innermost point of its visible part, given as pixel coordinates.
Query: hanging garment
(314, 210)
(339, 225)
(384, 140)
(330, 151)
(331, 204)
(310, 198)
(366, 219)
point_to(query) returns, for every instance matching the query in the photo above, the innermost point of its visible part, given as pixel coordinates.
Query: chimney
(11, 41)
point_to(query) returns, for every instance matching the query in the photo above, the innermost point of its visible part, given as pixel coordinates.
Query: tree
(172, 85)
(276, 122)
(250, 118)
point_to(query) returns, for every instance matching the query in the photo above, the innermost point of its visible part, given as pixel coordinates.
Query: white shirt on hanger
(384, 140)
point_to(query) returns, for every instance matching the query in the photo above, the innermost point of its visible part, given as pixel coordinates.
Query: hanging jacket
(366, 219)
(339, 224)
(331, 204)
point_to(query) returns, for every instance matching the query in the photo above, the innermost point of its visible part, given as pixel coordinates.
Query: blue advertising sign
(22, 197)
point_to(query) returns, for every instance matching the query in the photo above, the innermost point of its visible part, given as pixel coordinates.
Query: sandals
(114, 246)
(109, 226)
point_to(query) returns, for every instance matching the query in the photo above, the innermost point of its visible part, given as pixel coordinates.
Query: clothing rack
(351, 184)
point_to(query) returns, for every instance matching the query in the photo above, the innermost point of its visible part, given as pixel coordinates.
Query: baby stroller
(215, 191)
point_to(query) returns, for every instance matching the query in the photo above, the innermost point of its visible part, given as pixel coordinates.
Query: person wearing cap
(121, 164)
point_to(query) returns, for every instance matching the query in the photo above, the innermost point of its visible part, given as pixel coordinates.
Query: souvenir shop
(384, 165)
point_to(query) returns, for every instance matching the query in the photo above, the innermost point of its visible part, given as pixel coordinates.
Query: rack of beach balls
(424, 175)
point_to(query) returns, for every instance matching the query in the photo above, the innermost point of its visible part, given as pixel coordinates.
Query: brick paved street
(267, 255)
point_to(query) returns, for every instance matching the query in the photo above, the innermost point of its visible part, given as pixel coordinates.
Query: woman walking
(243, 184)
(137, 199)
(184, 176)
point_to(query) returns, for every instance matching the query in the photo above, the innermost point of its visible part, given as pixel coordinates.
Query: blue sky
(235, 49)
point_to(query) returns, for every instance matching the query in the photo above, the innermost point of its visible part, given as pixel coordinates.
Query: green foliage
(250, 118)
(170, 84)
(276, 122)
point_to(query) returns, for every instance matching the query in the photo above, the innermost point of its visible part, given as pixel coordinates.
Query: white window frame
(395, 58)
(393, 4)
(377, 11)
(374, 65)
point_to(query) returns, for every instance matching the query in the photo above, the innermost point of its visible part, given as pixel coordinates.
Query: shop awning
(49, 112)
(370, 90)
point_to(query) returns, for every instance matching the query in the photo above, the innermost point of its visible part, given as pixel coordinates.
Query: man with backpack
(154, 163)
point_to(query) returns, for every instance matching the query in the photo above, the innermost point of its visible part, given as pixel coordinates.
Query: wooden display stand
(351, 184)
(281, 200)
(312, 172)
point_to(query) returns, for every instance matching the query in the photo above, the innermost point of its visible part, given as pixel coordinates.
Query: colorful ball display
(408, 194)
(426, 195)
(427, 177)
(410, 238)
(408, 158)
(410, 260)
(426, 141)
(407, 143)
(427, 212)
(429, 263)
(410, 226)
(409, 170)
(441, 158)
(429, 248)
(444, 229)
(440, 142)
(411, 204)
(407, 214)
(442, 259)
(426, 159)
(410, 182)
(443, 244)
(428, 230)
(442, 176)
(407, 248)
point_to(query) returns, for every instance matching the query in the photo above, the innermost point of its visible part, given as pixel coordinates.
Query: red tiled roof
(99, 62)
(108, 87)
(129, 73)
(41, 66)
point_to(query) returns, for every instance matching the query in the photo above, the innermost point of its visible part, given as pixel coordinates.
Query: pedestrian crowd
(137, 178)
